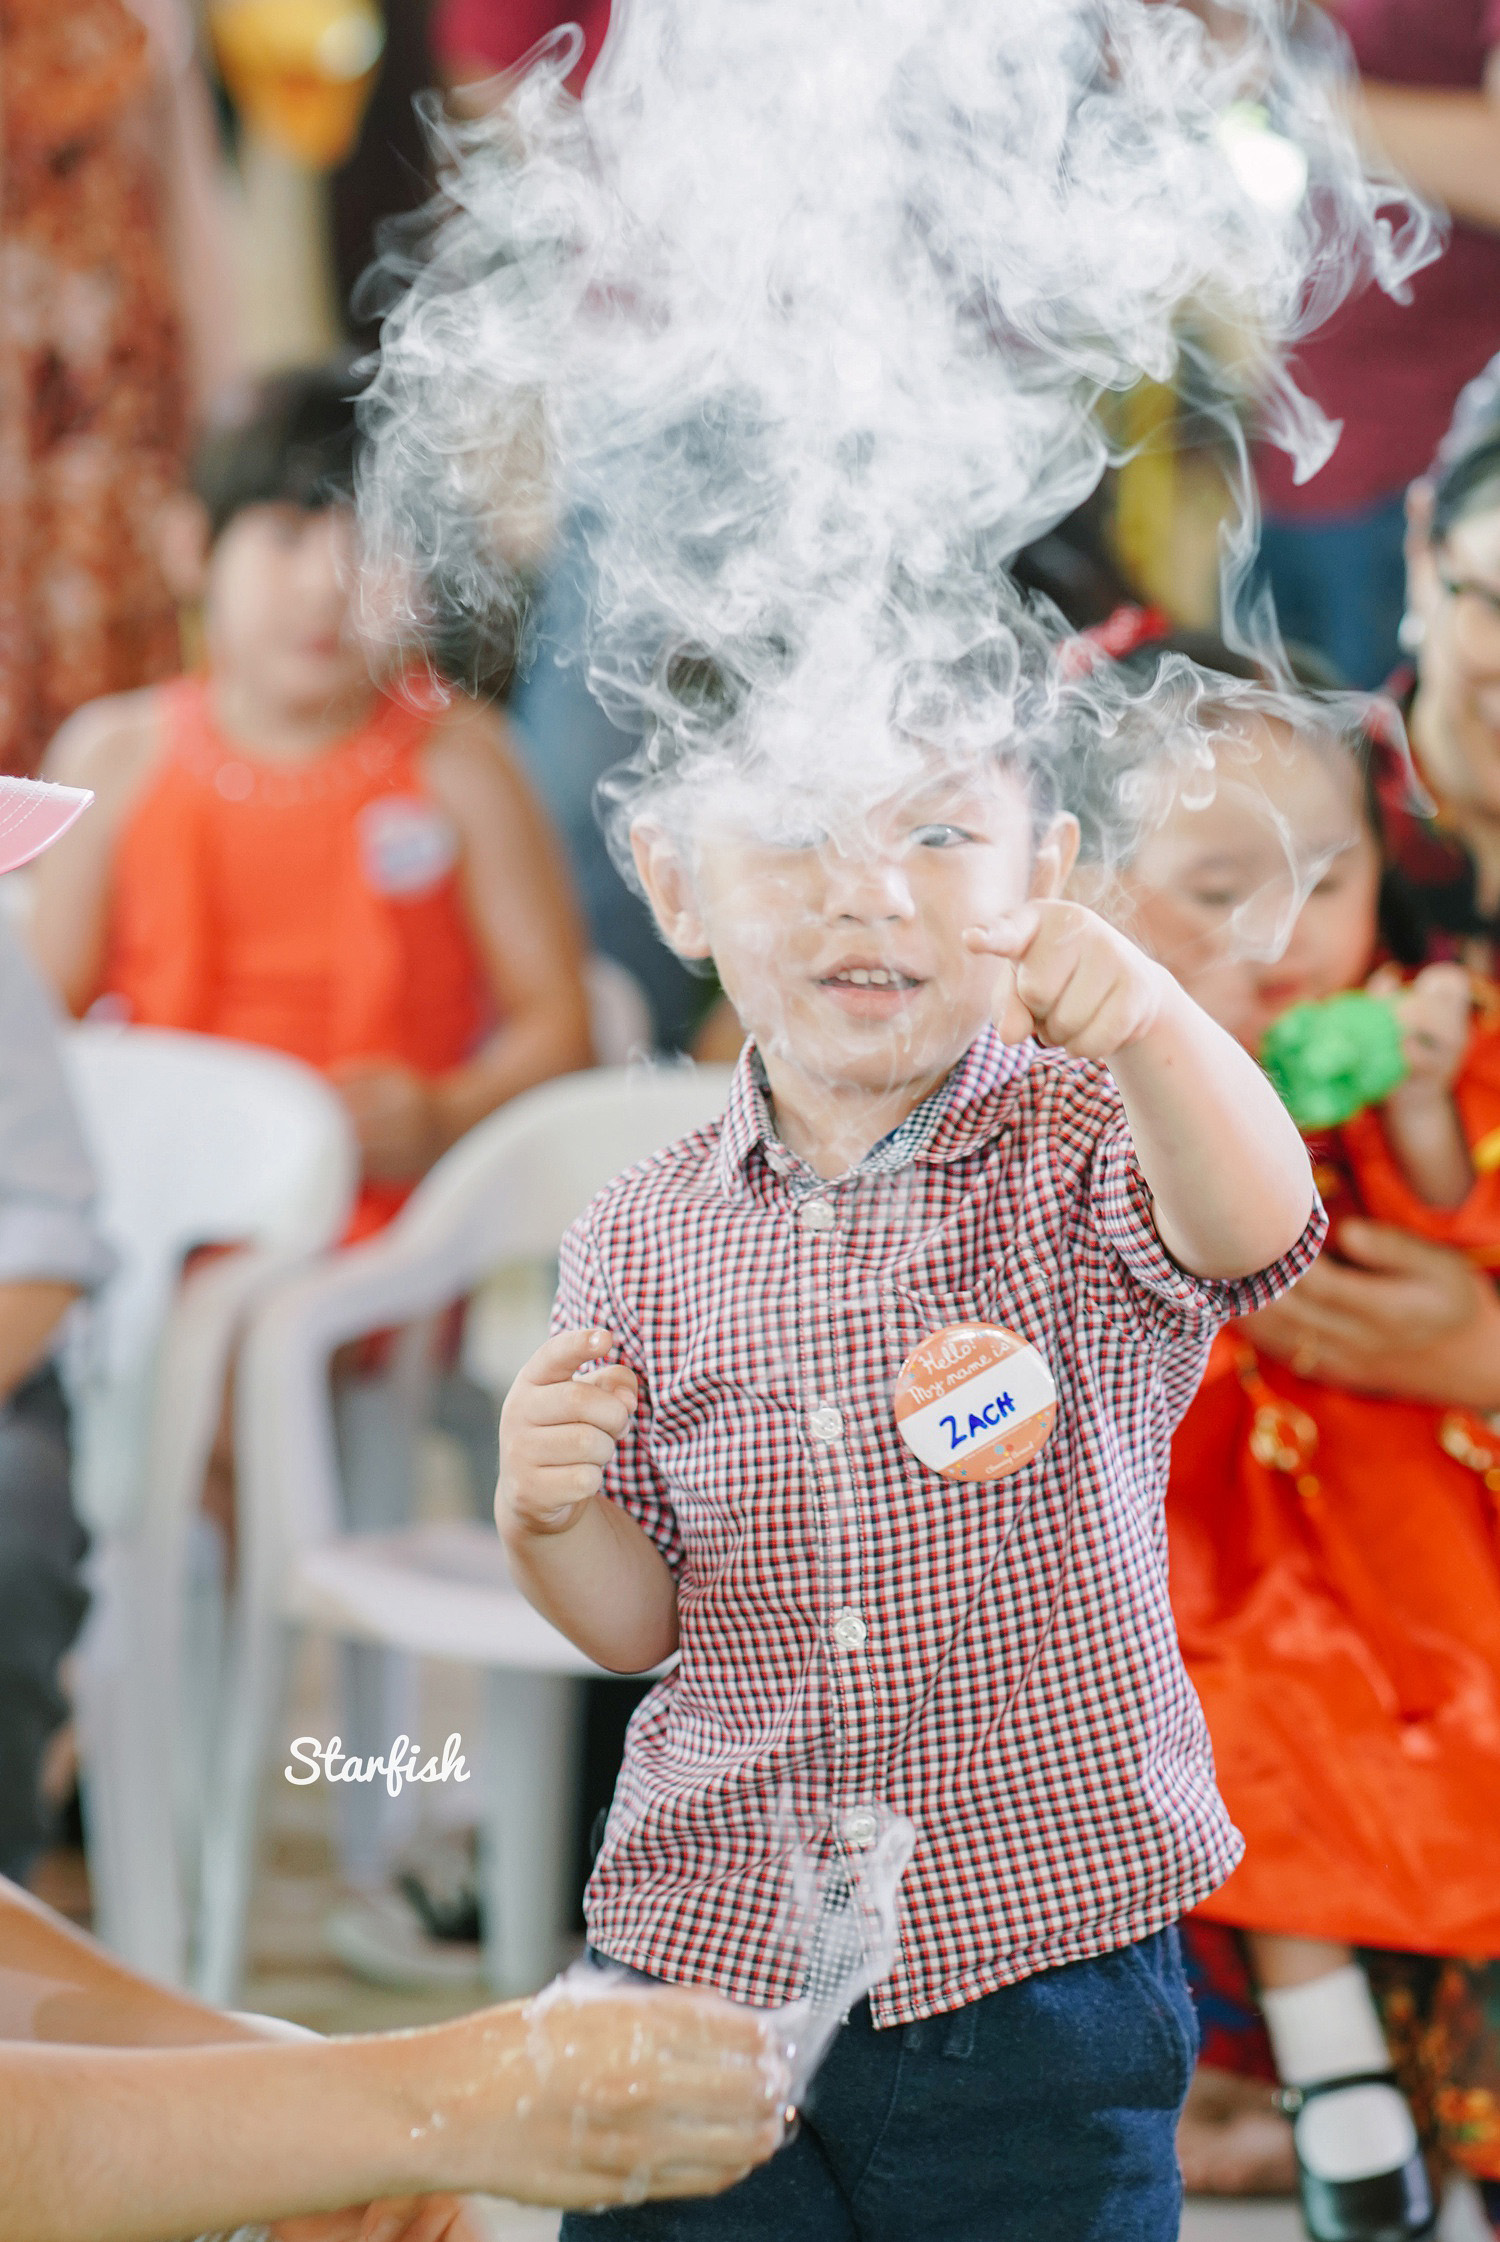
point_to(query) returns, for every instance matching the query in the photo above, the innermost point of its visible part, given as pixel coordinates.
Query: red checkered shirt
(1011, 1681)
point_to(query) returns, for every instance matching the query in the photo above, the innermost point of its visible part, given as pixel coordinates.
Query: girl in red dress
(1333, 1553)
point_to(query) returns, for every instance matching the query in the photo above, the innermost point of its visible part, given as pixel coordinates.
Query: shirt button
(859, 1829)
(778, 1163)
(816, 1214)
(849, 1630)
(826, 1425)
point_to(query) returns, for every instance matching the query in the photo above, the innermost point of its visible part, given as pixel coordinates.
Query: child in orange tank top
(286, 851)
(1334, 1554)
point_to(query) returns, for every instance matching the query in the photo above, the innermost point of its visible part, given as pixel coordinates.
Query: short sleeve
(1121, 1203)
(585, 1299)
(47, 1226)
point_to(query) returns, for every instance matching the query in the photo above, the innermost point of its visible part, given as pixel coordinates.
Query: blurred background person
(50, 1255)
(565, 738)
(289, 850)
(1331, 548)
(118, 331)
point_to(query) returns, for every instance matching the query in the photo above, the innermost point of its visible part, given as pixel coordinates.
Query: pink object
(500, 33)
(33, 813)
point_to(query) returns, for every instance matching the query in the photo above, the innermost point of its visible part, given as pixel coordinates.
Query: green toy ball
(1329, 1061)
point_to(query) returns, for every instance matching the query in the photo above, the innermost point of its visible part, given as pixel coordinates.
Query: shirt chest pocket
(956, 1272)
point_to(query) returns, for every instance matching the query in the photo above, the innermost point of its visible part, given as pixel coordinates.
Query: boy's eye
(1215, 898)
(940, 836)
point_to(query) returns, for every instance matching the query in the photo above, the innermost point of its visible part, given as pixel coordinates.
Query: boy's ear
(1056, 854)
(182, 544)
(669, 890)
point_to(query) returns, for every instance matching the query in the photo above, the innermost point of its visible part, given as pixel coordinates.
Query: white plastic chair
(506, 1193)
(196, 1142)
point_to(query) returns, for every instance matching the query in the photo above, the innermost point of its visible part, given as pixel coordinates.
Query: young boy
(922, 1134)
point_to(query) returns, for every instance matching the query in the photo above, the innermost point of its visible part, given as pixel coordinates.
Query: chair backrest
(528, 1171)
(504, 1194)
(195, 1142)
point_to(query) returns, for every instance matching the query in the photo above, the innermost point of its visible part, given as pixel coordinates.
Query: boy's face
(278, 608)
(1215, 886)
(844, 957)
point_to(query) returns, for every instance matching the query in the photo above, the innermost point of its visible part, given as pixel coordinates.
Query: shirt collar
(964, 1111)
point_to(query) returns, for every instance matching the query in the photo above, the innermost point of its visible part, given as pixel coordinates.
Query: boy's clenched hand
(558, 1432)
(1070, 978)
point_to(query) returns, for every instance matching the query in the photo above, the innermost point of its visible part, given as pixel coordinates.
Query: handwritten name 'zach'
(401, 1764)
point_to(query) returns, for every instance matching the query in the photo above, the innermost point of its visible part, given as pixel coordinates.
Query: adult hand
(613, 2093)
(1412, 1319)
(397, 1118)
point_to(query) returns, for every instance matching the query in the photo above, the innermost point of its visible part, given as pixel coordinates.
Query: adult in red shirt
(477, 39)
(1332, 547)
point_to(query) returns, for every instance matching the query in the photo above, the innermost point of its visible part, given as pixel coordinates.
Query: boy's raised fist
(1070, 979)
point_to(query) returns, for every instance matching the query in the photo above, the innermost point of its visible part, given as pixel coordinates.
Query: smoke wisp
(806, 320)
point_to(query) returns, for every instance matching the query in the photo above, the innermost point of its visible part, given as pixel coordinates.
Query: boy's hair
(293, 445)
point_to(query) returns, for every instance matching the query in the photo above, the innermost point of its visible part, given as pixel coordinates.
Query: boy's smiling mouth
(868, 987)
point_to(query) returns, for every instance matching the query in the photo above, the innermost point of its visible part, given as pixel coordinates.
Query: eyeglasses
(1486, 597)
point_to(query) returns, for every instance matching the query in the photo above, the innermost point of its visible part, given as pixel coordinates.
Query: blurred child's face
(845, 957)
(1210, 890)
(278, 607)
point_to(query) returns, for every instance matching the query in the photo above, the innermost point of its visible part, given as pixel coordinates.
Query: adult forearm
(533, 1048)
(603, 1583)
(1447, 144)
(1228, 1173)
(130, 2145)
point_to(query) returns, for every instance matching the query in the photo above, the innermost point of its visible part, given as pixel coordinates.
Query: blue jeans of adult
(1339, 583)
(1046, 2112)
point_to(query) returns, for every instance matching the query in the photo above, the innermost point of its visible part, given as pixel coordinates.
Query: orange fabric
(1336, 1580)
(315, 908)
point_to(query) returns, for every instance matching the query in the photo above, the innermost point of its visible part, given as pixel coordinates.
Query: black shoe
(1383, 2207)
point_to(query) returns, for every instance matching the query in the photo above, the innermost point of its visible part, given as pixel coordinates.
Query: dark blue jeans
(1044, 2113)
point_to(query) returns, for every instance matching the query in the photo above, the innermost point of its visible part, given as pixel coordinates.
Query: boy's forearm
(1229, 1176)
(604, 1584)
(134, 2144)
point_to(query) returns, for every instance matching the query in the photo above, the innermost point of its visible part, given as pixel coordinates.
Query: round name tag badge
(975, 1402)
